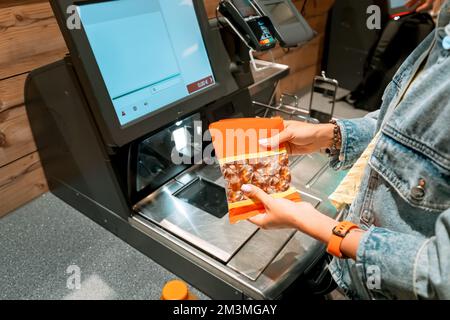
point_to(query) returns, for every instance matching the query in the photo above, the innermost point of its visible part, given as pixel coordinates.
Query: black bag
(398, 40)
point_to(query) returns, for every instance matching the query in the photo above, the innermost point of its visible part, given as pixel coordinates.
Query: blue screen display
(150, 53)
(397, 3)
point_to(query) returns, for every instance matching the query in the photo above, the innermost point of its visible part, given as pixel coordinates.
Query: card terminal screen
(245, 8)
(281, 13)
(394, 4)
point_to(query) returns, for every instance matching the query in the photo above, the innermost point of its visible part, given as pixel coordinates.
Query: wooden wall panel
(11, 92)
(10, 3)
(314, 7)
(17, 140)
(211, 6)
(20, 182)
(29, 38)
(299, 79)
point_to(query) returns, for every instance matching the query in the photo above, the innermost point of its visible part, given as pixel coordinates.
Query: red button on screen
(198, 85)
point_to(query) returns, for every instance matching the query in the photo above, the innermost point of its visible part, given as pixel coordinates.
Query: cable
(217, 18)
(302, 11)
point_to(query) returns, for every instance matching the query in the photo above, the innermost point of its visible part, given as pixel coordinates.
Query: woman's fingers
(427, 5)
(256, 193)
(422, 4)
(276, 140)
(284, 136)
(411, 3)
(259, 220)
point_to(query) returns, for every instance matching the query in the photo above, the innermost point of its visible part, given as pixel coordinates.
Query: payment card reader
(290, 28)
(255, 29)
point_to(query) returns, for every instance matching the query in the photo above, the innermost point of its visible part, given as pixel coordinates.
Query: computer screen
(397, 3)
(399, 8)
(150, 53)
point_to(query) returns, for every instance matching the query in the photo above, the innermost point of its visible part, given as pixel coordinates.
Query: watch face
(338, 231)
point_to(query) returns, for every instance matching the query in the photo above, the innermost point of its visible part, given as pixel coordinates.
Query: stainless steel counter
(216, 236)
(260, 263)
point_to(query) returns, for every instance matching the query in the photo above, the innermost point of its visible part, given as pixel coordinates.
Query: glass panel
(206, 196)
(165, 155)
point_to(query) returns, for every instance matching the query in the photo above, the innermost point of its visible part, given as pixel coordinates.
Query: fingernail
(264, 142)
(246, 188)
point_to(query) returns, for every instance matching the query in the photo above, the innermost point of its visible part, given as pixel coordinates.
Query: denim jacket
(404, 200)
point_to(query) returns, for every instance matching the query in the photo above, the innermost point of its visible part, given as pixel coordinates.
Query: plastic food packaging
(243, 161)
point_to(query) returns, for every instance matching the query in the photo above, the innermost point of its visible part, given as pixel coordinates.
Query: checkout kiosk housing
(104, 118)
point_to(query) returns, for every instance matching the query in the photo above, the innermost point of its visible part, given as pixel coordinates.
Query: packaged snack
(243, 161)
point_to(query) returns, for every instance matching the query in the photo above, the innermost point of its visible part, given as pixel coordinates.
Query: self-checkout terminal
(115, 122)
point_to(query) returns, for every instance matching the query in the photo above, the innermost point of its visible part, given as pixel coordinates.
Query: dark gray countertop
(42, 239)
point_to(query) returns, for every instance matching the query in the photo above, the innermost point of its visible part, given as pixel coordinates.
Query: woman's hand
(423, 5)
(300, 137)
(282, 213)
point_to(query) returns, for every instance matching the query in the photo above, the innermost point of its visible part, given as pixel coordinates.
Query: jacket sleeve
(408, 266)
(356, 136)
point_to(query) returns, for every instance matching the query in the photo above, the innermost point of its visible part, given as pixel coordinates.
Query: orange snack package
(243, 161)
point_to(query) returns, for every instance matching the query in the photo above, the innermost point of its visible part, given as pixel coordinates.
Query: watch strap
(339, 233)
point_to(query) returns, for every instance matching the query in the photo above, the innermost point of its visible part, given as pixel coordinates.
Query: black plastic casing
(94, 87)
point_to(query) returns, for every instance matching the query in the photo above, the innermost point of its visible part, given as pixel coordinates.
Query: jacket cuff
(388, 261)
(356, 135)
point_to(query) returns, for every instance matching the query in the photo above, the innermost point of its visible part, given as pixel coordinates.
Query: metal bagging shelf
(289, 104)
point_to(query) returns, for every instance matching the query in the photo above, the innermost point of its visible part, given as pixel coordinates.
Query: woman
(395, 240)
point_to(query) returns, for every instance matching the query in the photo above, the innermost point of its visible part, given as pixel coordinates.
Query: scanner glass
(205, 195)
(166, 154)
